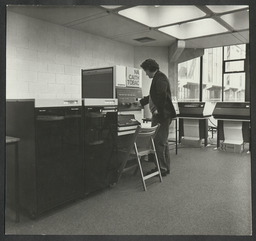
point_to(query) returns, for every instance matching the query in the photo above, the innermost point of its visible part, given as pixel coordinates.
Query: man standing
(162, 109)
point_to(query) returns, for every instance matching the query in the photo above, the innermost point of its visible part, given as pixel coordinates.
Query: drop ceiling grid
(99, 21)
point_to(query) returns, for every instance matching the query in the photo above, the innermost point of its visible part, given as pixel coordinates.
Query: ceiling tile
(111, 26)
(155, 16)
(59, 14)
(215, 41)
(194, 29)
(237, 20)
(243, 36)
(225, 8)
(161, 39)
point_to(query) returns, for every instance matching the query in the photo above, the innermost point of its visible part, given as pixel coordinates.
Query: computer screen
(98, 83)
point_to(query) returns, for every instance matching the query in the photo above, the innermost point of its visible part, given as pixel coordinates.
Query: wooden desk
(14, 141)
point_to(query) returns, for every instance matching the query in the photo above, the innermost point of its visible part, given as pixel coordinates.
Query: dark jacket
(160, 93)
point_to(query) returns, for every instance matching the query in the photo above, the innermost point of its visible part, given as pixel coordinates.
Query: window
(234, 52)
(212, 75)
(223, 76)
(234, 66)
(234, 73)
(189, 80)
(234, 87)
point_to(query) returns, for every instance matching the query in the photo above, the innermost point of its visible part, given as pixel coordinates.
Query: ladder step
(151, 175)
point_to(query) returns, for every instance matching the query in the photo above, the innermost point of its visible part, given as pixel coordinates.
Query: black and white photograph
(130, 119)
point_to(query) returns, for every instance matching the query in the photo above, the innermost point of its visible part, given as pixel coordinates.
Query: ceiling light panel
(225, 8)
(199, 28)
(111, 6)
(156, 16)
(238, 20)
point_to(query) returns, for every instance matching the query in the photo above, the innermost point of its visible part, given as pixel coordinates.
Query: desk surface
(195, 117)
(242, 120)
(9, 139)
(150, 119)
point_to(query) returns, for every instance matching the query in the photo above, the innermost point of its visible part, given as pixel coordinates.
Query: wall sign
(133, 77)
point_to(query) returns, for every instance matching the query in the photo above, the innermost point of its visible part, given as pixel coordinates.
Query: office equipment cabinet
(193, 122)
(233, 125)
(100, 146)
(51, 157)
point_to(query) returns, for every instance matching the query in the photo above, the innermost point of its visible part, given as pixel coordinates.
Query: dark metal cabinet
(59, 155)
(100, 148)
(50, 154)
(20, 123)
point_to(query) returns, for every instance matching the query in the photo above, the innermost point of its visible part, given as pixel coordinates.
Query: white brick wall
(56, 68)
(45, 77)
(25, 76)
(44, 60)
(72, 70)
(63, 78)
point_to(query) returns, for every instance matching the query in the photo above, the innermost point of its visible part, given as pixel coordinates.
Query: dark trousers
(161, 142)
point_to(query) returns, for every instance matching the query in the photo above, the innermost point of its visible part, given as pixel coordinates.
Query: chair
(143, 146)
(125, 146)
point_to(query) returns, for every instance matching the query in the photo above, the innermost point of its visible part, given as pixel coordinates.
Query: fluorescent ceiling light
(194, 29)
(225, 8)
(156, 16)
(111, 6)
(237, 20)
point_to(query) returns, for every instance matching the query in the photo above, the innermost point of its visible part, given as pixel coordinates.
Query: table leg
(176, 137)
(206, 132)
(218, 134)
(17, 201)
(180, 129)
(250, 138)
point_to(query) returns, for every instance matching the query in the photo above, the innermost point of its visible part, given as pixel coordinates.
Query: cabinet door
(59, 160)
(100, 150)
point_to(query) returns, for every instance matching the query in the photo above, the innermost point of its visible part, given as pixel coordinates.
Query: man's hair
(150, 64)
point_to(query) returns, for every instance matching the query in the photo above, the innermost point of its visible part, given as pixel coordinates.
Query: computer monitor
(98, 83)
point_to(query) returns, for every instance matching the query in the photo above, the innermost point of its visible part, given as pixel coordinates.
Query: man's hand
(138, 102)
(155, 112)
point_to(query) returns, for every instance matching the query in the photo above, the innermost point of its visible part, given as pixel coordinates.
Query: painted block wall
(44, 60)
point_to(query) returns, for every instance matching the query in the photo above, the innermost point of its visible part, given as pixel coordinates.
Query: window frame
(224, 71)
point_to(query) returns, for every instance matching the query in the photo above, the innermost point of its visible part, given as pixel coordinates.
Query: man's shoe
(164, 173)
(151, 171)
